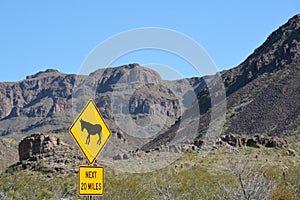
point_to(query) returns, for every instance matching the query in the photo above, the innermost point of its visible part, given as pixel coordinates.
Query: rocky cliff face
(279, 51)
(38, 100)
(49, 100)
(133, 89)
(40, 95)
(262, 92)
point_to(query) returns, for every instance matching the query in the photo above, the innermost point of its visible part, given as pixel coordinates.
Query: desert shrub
(283, 194)
(126, 186)
(250, 183)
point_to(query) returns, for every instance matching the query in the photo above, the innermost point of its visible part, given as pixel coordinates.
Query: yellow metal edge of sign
(89, 166)
(90, 101)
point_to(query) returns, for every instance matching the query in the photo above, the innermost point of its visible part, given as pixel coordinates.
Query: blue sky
(37, 35)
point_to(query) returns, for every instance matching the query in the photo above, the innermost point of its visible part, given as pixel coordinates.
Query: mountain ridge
(45, 101)
(252, 107)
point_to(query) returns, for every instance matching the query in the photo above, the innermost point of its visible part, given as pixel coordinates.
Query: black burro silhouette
(92, 129)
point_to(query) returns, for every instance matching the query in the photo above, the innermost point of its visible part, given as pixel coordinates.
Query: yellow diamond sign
(90, 131)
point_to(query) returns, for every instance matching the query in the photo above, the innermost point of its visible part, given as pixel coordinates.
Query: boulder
(275, 142)
(125, 157)
(37, 143)
(198, 143)
(117, 157)
(252, 142)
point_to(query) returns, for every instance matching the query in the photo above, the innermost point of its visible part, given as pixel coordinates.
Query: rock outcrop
(38, 144)
(49, 154)
(46, 101)
(256, 141)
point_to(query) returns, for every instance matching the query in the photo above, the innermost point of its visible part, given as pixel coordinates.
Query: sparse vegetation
(244, 173)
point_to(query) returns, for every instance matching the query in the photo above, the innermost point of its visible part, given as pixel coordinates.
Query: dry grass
(194, 175)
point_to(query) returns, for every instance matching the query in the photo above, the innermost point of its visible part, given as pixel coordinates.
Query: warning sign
(91, 180)
(90, 131)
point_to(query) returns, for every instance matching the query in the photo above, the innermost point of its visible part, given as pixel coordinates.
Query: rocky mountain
(128, 96)
(36, 102)
(262, 97)
(262, 93)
